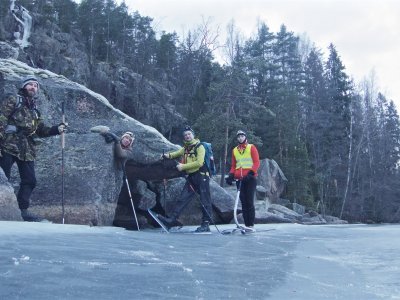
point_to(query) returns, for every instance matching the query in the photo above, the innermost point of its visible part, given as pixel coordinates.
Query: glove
(62, 127)
(229, 179)
(110, 137)
(10, 129)
(250, 175)
(179, 167)
(165, 156)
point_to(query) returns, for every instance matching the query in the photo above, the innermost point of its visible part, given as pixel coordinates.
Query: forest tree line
(336, 141)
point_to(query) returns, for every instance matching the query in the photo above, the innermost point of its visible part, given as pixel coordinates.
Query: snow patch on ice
(93, 263)
(22, 259)
(206, 263)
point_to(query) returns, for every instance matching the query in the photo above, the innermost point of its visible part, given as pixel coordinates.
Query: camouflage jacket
(28, 122)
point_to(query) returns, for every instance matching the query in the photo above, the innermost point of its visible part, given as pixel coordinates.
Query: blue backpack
(208, 158)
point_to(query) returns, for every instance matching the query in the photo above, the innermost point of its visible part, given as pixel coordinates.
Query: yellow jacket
(191, 162)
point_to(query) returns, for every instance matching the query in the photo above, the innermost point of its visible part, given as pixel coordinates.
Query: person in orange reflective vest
(245, 163)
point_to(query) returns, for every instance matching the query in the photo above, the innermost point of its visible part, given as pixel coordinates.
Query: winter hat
(187, 128)
(129, 134)
(27, 80)
(241, 132)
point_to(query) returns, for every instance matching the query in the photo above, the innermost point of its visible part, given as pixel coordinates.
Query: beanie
(27, 80)
(187, 128)
(128, 134)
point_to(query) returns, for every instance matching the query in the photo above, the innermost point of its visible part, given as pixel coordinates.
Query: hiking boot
(170, 222)
(204, 227)
(29, 216)
(249, 229)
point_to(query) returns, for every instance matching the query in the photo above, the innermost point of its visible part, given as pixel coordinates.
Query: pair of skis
(239, 227)
(166, 230)
(164, 227)
(154, 216)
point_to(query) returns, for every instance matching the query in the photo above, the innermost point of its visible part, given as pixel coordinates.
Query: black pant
(247, 191)
(200, 184)
(26, 173)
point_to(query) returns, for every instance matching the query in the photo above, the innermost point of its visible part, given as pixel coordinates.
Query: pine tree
(67, 14)
(339, 95)
(91, 23)
(167, 52)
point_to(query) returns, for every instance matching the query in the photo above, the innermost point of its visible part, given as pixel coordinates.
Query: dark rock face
(7, 51)
(67, 54)
(133, 94)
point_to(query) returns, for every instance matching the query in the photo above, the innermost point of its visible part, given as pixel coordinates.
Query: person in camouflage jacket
(20, 121)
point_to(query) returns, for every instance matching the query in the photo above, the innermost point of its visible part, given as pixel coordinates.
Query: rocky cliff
(92, 181)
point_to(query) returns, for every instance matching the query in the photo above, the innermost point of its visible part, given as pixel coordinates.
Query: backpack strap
(197, 146)
(191, 150)
(17, 106)
(204, 167)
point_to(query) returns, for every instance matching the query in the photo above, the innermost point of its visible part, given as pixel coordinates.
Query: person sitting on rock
(197, 181)
(20, 121)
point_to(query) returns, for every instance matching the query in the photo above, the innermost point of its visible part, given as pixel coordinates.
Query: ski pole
(164, 190)
(62, 162)
(202, 204)
(130, 196)
(239, 187)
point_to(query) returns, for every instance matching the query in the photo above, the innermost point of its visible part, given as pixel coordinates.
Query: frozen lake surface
(53, 261)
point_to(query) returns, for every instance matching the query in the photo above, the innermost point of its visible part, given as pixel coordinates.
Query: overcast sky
(365, 32)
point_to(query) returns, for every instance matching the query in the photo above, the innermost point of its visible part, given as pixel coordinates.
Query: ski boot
(249, 229)
(203, 228)
(169, 221)
(29, 216)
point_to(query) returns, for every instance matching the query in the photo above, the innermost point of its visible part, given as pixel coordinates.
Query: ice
(54, 261)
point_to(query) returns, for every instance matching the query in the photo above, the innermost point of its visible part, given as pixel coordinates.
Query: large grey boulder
(9, 210)
(271, 177)
(92, 181)
(284, 212)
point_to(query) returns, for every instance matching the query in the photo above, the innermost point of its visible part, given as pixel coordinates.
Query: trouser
(195, 183)
(247, 191)
(26, 173)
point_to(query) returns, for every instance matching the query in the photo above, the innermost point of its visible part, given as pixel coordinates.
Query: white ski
(154, 216)
(239, 227)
